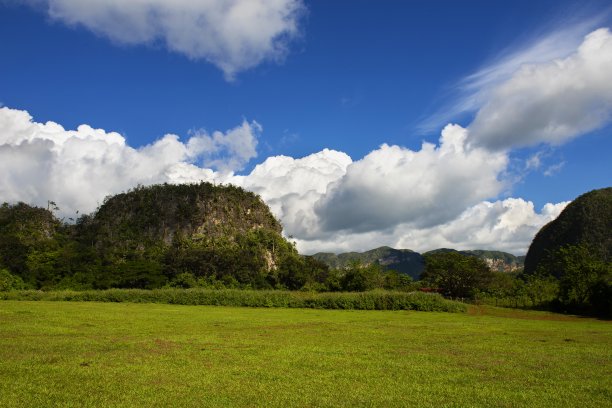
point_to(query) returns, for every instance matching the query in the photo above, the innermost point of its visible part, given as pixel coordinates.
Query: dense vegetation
(456, 275)
(186, 236)
(586, 221)
(203, 236)
(576, 250)
(371, 300)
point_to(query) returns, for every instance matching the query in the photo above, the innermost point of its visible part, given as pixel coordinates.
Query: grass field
(147, 355)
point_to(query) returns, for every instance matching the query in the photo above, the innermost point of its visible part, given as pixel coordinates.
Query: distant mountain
(401, 260)
(412, 263)
(497, 260)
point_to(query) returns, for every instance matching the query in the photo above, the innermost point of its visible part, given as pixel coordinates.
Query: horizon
(414, 126)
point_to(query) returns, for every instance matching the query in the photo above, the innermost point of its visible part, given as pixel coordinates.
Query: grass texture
(89, 354)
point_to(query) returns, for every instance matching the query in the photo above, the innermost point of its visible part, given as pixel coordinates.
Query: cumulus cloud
(550, 102)
(234, 35)
(326, 201)
(394, 185)
(506, 225)
(78, 168)
(228, 151)
(292, 187)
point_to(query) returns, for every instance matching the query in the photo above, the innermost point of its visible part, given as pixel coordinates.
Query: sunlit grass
(144, 355)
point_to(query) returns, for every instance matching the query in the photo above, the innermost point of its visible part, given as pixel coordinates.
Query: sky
(417, 124)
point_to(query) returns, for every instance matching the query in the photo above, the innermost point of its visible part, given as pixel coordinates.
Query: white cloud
(550, 102)
(78, 168)
(234, 35)
(229, 151)
(394, 185)
(554, 169)
(472, 92)
(393, 196)
(428, 198)
(291, 187)
(507, 225)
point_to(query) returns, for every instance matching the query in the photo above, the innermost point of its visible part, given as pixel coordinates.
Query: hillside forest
(221, 236)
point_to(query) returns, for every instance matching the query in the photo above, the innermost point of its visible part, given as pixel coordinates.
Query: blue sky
(346, 76)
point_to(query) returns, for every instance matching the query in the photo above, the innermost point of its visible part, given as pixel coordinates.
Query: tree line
(210, 236)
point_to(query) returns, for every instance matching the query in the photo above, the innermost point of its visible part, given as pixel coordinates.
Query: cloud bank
(445, 194)
(506, 225)
(423, 188)
(234, 35)
(78, 168)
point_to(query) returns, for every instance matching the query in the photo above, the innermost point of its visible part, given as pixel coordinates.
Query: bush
(10, 282)
(373, 300)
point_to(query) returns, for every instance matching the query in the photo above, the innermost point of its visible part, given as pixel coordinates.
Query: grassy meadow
(91, 354)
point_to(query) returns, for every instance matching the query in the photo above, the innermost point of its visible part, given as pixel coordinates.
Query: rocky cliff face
(163, 213)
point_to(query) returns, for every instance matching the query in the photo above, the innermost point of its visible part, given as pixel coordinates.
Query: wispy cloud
(554, 169)
(550, 102)
(472, 92)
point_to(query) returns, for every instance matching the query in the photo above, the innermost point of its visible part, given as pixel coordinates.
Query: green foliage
(541, 289)
(404, 261)
(524, 291)
(148, 237)
(360, 278)
(371, 300)
(30, 246)
(573, 254)
(10, 282)
(456, 275)
(586, 281)
(585, 221)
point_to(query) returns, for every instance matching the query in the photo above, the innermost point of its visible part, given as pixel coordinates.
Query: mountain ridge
(412, 263)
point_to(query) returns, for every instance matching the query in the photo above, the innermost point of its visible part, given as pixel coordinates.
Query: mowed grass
(149, 355)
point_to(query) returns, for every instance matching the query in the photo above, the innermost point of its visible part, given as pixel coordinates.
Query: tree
(10, 282)
(456, 275)
(586, 280)
(359, 277)
(541, 289)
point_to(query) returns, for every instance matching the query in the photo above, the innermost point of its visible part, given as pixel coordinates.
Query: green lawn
(145, 355)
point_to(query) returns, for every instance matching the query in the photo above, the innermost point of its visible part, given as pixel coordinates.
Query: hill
(411, 263)
(401, 260)
(25, 231)
(496, 260)
(585, 221)
(151, 236)
(164, 212)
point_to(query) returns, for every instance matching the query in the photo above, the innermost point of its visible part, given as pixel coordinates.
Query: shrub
(10, 282)
(373, 300)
